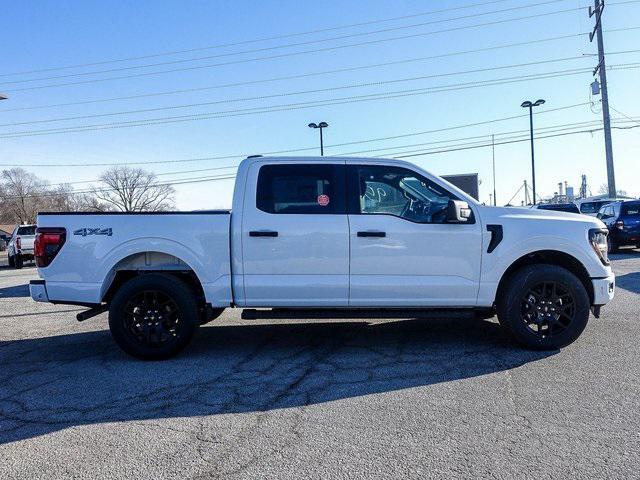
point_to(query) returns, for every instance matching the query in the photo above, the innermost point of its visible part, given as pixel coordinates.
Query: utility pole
(602, 70)
(493, 157)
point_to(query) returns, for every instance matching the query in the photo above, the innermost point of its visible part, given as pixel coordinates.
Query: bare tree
(22, 195)
(133, 190)
(604, 190)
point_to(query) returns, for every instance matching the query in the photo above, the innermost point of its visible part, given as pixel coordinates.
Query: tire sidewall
(175, 289)
(509, 310)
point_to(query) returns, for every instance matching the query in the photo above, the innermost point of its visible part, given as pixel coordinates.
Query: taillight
(18, 243)
(47, 244)
(620, 225)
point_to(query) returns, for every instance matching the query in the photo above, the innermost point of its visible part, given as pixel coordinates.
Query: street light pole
(320, 125)
(530, 106)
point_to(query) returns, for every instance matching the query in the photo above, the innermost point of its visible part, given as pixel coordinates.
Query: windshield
(591, 207)
(569, 207)
(28, 230)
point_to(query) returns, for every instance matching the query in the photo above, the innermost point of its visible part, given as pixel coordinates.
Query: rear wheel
(545, 307)
(153, 317)
(17, 261)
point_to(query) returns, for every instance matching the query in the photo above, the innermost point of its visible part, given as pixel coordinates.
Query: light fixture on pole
(530, 106)
(320, 125)
(3, 96)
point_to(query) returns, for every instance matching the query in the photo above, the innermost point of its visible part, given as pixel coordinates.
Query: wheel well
(550, 257)
(152, 262)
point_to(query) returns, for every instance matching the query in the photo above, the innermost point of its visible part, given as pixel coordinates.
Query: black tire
(544, 307)
(12, 262)
(612, 247)
(18, 261)
(154, 316)
(212, 314)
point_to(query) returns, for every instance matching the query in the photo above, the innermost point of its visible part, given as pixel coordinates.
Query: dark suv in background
(623, 221)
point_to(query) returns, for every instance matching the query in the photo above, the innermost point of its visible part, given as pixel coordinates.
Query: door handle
(263, 233)
(372, 234)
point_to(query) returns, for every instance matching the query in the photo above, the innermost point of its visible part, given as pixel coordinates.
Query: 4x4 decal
(93, 231)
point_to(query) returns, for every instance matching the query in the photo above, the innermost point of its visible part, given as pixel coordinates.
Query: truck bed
(99, 244)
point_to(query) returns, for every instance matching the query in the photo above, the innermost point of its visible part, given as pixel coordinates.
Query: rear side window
(301, 189)
(631, 209)
(27, 230)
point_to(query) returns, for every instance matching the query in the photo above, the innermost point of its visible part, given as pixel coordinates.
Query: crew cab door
(295, 235)
(403, 252)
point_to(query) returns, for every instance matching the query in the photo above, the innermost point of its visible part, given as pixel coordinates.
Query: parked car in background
(622, 218)
(20, 248)
(558, 207)
(327, 238)
(591, 205)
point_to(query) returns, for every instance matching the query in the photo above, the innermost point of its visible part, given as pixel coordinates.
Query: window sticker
(323, 200)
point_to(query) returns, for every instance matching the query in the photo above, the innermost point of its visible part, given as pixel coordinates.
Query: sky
(69, 52)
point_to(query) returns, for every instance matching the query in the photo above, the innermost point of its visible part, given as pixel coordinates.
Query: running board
(358, 313)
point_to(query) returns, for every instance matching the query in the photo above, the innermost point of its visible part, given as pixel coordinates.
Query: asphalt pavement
(319, 399)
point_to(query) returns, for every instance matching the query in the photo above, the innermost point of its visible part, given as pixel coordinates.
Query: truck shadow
(629, 282)
(15, 291)
(49, 384)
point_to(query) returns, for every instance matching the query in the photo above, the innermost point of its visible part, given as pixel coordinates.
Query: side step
(331, 313)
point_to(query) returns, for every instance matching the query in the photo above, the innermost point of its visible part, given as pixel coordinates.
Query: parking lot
(338, 399)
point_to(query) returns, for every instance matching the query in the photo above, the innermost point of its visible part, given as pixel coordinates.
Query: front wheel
(154, 316)
(545, 307)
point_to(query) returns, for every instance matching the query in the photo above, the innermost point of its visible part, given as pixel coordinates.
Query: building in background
(467, 182)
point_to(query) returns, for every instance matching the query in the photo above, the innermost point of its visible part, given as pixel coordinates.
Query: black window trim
(353, 195)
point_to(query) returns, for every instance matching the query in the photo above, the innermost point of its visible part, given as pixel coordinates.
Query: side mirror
(599, 215)
(458, 212)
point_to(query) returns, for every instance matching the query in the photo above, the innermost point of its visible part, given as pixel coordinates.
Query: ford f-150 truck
(20, 247)
(327, 237)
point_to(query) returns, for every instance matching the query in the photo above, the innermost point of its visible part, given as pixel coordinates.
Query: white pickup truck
(327, 237)
(20, 247)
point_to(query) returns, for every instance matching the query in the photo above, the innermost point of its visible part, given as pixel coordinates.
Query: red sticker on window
(323, 200)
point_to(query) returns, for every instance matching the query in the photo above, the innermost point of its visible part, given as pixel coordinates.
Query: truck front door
(295, 235)
(403, 251)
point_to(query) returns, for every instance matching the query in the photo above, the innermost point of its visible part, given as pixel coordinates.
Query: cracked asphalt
(320, 399)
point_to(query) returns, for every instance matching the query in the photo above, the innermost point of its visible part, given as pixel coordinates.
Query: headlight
(598, 240)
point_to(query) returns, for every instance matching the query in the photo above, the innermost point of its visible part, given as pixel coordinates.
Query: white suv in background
(20, 246)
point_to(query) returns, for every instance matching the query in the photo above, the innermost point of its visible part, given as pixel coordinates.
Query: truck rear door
(295, 235)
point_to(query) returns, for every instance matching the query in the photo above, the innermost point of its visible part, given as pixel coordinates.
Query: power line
(231, 176)
(278, 47)
(303, 92)
(300, 105)
(279, 152)
(560, 127)
(303, 75)
(245, 42)
(370, 42)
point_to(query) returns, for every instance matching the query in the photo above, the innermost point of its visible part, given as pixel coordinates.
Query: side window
(400, 192)
(301, 189)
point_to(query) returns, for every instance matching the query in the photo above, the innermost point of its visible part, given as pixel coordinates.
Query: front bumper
(603, 289)
(38, 291)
